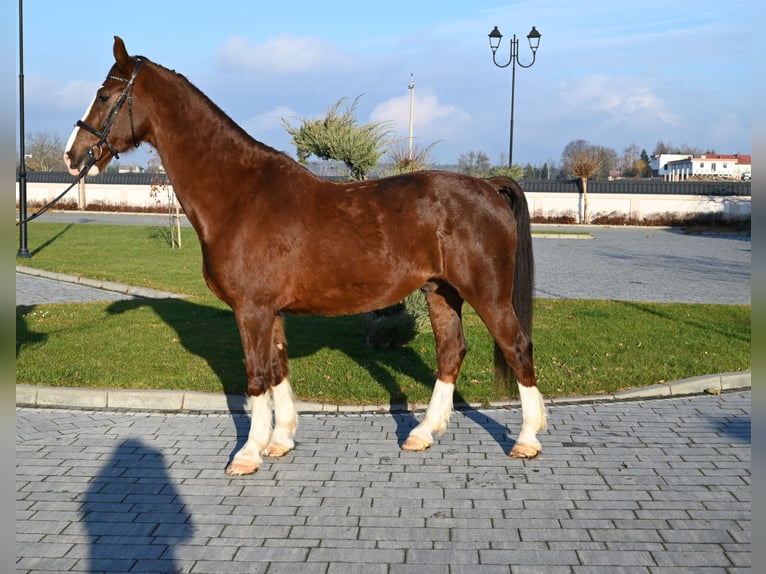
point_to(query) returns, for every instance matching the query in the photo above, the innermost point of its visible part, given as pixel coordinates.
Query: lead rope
(50, 204)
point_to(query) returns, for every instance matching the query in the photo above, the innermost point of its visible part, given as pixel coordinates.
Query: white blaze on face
(70, 142)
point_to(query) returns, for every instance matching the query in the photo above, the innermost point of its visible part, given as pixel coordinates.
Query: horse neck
(202, 150)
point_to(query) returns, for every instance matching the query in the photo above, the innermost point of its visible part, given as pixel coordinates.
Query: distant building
(726, 166)
(129, 168)
(659, 163)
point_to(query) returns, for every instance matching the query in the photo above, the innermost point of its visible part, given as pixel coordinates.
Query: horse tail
(523, 272)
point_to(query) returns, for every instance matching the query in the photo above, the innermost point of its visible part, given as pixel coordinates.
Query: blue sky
(613, 74)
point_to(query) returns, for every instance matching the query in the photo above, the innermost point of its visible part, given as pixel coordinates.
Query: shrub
(397, 325)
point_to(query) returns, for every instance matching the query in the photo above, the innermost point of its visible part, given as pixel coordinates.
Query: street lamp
(494, 43)
(22, 175)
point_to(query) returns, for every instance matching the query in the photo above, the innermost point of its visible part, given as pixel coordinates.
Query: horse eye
(103, 98)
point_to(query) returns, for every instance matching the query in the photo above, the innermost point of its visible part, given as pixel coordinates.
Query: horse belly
(345, 295)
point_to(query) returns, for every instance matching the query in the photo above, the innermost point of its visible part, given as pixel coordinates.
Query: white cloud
(283, 54)
(429, 115)
(73, 95)
(268, 120)
(267, 127)
(621, 99)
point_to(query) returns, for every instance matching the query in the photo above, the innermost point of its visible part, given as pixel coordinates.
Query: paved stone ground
(645, 264)
(35, 290)
(644, 487)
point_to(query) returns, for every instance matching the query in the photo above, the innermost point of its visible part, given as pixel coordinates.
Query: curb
(100, 284)
(554, 235)
(199, 402)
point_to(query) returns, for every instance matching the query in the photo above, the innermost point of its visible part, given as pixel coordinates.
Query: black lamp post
(22, 176)
(494, 43)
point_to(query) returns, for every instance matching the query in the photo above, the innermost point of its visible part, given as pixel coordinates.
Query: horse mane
(246, 138)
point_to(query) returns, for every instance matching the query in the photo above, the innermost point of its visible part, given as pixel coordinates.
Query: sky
(612, 74)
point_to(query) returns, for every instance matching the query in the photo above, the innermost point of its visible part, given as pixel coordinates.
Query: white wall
(636, 206)
(543, 204)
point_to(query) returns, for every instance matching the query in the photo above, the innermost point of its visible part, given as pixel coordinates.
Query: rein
(102, 136)
(88, 163)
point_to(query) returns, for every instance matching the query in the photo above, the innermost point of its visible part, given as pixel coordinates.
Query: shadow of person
(736, 429)
(211, 333)
(133, 514)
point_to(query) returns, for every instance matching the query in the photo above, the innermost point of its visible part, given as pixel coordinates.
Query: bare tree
(581, 159)
(668, 148)
(44, 152)
(628, 162)
(474, 163)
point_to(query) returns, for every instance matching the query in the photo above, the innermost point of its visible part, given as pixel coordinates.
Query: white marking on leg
(285, 420)
(437, 416)
(248, 458)
(534, 417)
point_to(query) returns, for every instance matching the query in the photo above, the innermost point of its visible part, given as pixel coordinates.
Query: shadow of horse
(133, 514)
(211, 333)
(25, 336)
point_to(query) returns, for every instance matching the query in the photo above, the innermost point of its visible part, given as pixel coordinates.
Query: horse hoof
(241, 469)
(277, 450)
(415, 444)
(524, 451)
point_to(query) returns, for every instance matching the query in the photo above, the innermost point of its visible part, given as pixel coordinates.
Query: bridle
(96, 150)
(103, 133)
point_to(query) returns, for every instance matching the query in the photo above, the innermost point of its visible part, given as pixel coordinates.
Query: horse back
(332, 248)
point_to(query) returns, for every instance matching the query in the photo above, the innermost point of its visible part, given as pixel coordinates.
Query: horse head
(112, 123)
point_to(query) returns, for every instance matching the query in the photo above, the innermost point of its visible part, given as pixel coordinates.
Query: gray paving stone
(111, 491)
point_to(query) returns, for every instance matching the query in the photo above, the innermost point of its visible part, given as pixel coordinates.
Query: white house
(659, 163)
(731, 166)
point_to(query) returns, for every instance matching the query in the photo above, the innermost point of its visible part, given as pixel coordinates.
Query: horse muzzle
(86, 161)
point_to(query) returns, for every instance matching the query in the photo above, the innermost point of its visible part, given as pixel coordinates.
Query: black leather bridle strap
(103, 133)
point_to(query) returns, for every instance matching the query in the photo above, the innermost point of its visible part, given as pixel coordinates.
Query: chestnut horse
(276, 238)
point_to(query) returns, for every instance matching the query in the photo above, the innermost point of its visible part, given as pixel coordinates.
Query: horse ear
(121, 55)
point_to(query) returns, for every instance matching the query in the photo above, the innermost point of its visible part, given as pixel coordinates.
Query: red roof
(739, 158)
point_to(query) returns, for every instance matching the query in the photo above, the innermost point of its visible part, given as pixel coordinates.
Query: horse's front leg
(285, 414)
(256, 328)
(444, 308)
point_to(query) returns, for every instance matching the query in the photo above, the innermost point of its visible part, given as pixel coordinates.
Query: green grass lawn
(581, 347)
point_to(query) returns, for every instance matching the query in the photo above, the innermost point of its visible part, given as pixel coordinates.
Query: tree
(502, 170)
(338, 136)
(667, 148)
(646, 165)
(609, 162)
(154, 163)
(628, 161)
(44, 152)
(582, 160)
(475, 163)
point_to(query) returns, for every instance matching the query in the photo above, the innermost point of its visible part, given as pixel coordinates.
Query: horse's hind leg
(285, 414)
(444, 305)
(517, 350)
